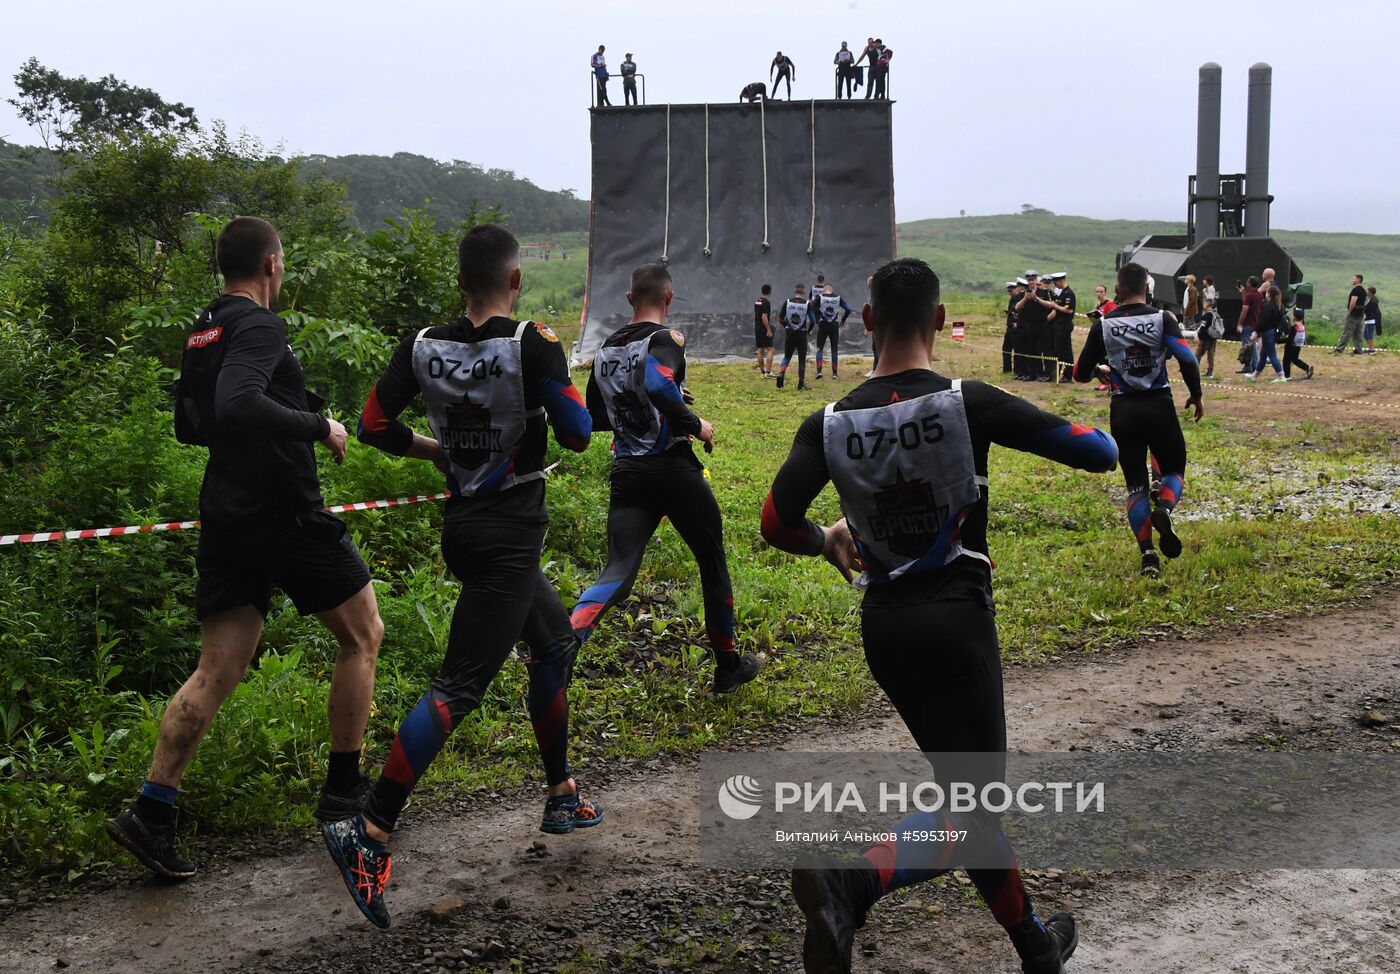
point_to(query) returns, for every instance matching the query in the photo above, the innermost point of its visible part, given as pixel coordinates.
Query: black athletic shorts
(309, 556)
(761, 338)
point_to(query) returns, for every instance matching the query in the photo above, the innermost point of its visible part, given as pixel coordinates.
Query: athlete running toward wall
(243, 395)
(488, 382)
(1136, 339)
(829, 305)
(637, 390)
(797, 324)
(907, 453)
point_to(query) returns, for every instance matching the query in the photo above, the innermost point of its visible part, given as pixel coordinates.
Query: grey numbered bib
(1137, 348)
(621, 373)
(831, 307)
(476, 407)
(795, 314)
(907, 478)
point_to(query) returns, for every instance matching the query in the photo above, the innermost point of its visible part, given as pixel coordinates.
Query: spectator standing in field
(1356, 312)
(1271, 322)
(1209, 292)
(763, 331)
(1103, 304)
(1297, 338)
(1008, 340)
(1252, 302)
(1191, 306)
(783, 68)
(629, 81)
(1209, 329)
(845, 62)
(599, 63)
(1372, 318)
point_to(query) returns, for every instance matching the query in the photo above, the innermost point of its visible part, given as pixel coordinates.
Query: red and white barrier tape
(84, 533)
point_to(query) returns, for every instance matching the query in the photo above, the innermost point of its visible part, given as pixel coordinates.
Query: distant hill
(377, 186)
(382, 186)
(981, 253)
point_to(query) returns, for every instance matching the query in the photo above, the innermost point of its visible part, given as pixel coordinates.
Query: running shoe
(819, 377)
(1310, 371)
(564, 813)
(364, 865)
(834, 898)
(802, 386)
(780, 380)
(333, 806)
(1064, 937)
(729, 680)
(834, 375)
(1154, 490)
(1249, 376)
(153, 845)
(1151, 565)
(1278, 380)
(1167, 541)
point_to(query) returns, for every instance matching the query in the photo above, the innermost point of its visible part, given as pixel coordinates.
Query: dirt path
(629, 895)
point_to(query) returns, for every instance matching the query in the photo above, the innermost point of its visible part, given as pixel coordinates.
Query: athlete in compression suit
(488, 383)
(829, 305)
(907, 453)
(797, 325)
(242, 394)
(1136, 339)
(637, 390)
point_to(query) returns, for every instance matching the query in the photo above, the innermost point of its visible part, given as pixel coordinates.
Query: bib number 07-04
(909, 436)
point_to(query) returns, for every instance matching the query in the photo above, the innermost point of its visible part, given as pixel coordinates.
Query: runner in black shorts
(1136, 339)
(907, 452)
(242, 394)
(488, 382)
(637, 390)
(763, 331)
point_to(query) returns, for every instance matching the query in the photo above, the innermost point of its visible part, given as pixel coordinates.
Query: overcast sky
(1111, 86)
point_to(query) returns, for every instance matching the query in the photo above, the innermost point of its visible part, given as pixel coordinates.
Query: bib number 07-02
(908, 436)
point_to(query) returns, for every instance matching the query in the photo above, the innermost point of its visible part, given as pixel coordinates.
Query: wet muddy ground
(476, 887)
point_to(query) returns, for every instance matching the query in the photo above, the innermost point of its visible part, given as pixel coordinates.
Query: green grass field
(1066, 582)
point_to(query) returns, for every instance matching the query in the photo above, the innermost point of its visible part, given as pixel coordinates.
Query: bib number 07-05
(867, 444)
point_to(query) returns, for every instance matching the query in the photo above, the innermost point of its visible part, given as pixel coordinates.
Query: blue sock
(156, 803)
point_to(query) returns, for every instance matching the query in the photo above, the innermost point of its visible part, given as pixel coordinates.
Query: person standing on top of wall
(845, 61)
(600, 72)
(783, 67)
(629, 81)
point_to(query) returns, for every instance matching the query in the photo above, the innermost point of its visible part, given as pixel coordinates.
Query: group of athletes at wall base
(819, 310)
(906, 452)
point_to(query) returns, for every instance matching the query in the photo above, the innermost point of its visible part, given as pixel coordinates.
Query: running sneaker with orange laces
(564, 813)
(364, 865)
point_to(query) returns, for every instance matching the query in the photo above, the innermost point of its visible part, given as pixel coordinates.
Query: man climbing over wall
(796, 326)
(829, 305)
(637, 389)
(783, 67)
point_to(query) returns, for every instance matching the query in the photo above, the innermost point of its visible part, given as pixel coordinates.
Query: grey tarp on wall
(854, 209)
